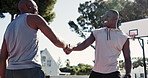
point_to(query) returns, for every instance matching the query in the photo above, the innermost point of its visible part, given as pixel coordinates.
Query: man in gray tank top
(20, 44)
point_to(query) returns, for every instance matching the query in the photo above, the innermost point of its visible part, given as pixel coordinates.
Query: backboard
(139, 28)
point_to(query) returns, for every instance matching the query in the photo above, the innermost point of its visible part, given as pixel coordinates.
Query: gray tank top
(22, 44)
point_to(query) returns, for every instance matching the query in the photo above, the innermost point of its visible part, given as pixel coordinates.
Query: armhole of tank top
(125, 38)
(27, 24)
(95, 32)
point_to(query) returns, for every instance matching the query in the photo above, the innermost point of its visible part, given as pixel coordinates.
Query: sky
(66, 10)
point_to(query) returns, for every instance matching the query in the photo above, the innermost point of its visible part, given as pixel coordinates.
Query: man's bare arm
(127, 57)
(37, 22)
(85, 43)
(3, 58)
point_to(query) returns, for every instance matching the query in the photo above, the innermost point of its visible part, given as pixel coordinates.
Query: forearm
(60, 44)
(2, 69)
(3, 58)
(79, 47)
(128, 66)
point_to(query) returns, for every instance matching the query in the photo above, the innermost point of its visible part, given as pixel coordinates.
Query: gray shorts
(25, 73)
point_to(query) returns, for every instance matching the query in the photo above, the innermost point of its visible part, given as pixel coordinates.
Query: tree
(88, 18)
(134, 10)
(45, 8)
(91, 14)
(138, 61)
(6, 7)
(84, 69)
(70, 69)
(121, 65)
(80, 69)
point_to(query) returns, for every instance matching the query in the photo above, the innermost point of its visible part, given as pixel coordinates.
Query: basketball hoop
(133, 36)
(133, 33)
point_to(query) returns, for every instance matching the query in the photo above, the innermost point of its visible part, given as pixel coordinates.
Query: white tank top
(109, 43)
(22, 44)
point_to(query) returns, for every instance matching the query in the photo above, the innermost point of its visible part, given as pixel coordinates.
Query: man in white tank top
(110, 41)
(20, 44)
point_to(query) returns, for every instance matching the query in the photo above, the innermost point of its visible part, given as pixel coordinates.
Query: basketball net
(132, 36)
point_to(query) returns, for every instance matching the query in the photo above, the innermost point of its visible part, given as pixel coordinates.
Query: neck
(114, 26)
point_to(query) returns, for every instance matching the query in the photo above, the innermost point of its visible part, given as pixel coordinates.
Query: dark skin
(36, 22)
(110, 21)
(3, 58)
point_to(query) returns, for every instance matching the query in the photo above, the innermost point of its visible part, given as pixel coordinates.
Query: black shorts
(109, 75)
(25, 73)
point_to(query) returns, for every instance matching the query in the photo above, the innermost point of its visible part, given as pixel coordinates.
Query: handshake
(68, 49)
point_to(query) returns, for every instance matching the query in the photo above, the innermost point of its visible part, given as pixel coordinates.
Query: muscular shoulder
(34, 21)
(35, 18)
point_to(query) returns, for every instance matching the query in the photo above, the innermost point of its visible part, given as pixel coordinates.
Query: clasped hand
(68, 49)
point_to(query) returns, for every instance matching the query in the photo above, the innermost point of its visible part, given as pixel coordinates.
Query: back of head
(22, 5)
(27, 6)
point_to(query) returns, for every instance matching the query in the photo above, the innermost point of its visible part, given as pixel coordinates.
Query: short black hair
(114, 11)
